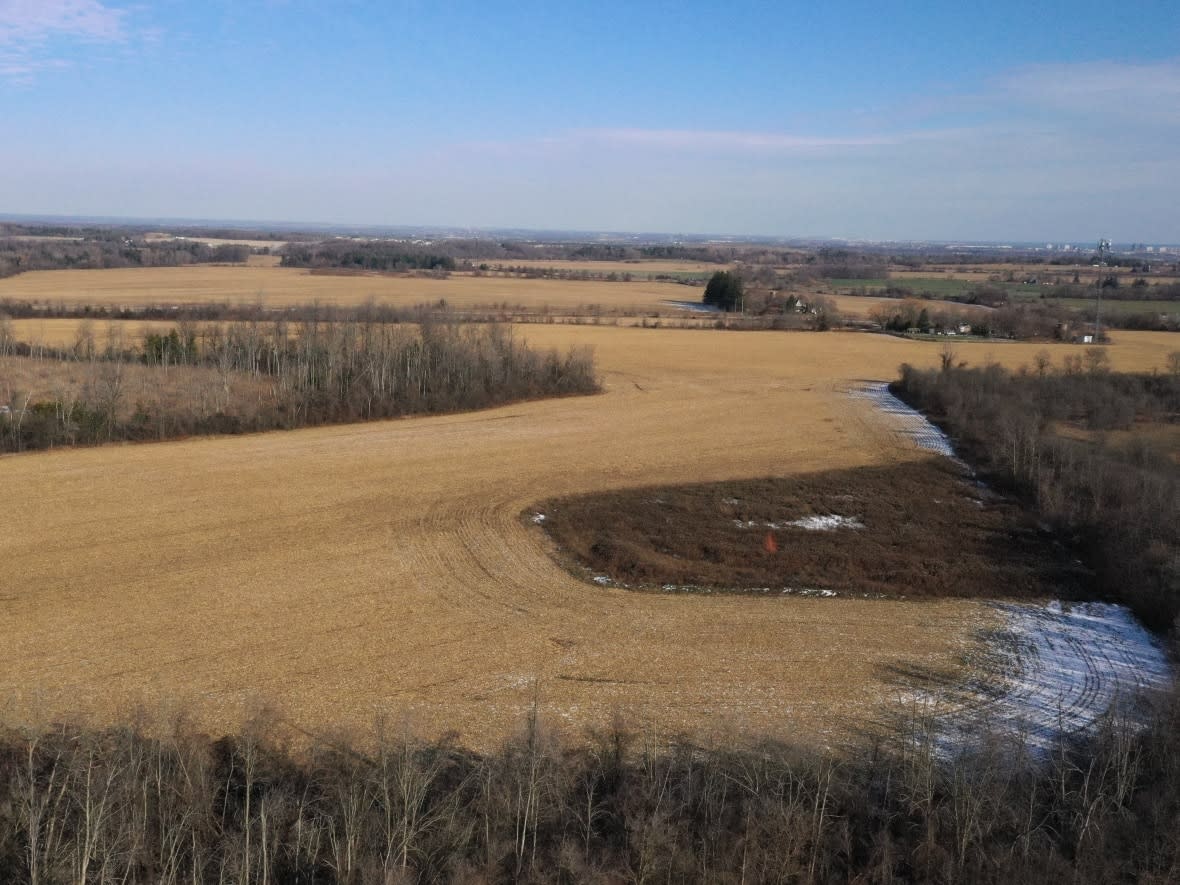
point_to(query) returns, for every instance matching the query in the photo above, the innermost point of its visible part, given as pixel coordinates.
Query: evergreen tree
(724, 290)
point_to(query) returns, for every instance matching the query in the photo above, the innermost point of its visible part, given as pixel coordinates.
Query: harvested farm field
(284, 286)
(340, 573)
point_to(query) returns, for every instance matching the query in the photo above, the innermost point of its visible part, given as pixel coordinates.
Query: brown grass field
(338, 573)
(64, 332)
(862, 307)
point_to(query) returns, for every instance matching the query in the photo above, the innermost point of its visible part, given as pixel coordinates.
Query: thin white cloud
(26, 21)
(711, 142)
(705, 139)
(29, 30)
(1150, 91)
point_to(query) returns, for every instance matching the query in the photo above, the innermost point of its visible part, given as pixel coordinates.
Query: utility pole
(1103, 254)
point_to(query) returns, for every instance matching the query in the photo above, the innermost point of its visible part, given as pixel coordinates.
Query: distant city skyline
(883, 121)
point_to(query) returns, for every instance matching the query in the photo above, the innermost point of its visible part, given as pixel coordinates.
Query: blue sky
(1053, 121)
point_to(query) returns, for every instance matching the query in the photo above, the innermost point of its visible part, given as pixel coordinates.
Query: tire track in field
(1060, 671)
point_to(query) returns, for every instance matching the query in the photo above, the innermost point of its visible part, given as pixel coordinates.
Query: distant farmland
(278, 287)
(1118, 305)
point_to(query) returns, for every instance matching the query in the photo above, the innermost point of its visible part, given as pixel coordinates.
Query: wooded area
(1116, 500)
(238, 377)
(119, 805)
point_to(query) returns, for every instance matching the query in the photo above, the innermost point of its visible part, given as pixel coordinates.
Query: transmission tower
(1103, 256)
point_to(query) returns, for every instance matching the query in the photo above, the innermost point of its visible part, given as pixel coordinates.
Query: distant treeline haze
(109, 251)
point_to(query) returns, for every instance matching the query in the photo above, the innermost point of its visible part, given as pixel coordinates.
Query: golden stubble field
(346, 572)
(284, 286)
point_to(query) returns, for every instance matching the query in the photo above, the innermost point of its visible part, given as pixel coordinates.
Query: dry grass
(340, 571)
(195, 390)
(864, 306)
(64, 332)
(1159, 438)
(859, 307)
(918, 529)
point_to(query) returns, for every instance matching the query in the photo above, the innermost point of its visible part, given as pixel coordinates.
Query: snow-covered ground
(827, 523)
(693, 306)
(1055, 670)
(906, 421)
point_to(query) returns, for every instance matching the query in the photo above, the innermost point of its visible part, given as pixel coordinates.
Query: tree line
(260, 376)
(366, 255)
(1117, 501)
(122, 805)
(110, 251)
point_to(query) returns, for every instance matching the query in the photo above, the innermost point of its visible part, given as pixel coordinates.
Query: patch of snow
(817, 591)
(811, 592)
(828, 523)
(601, 580)
(693, 306)
(908, 422)
(1063, 668)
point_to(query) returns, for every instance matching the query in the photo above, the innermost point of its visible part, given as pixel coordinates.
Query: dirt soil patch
(911, 529)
